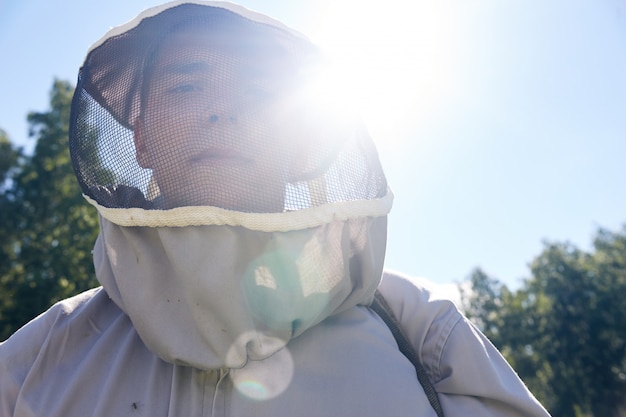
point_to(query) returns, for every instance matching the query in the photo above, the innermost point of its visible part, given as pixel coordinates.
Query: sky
(501, 124)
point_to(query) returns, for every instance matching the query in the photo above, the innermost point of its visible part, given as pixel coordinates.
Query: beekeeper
(243, 232)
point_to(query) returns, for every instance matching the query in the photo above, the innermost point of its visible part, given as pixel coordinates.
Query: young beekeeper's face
(210, 121)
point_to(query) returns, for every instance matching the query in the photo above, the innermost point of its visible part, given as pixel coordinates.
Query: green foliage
(47, 228)
(564, 331)
(9, 158)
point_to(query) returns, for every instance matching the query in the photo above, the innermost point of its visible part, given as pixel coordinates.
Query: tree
(483, 303)
(48, 228)
(563, 331)
(9, 158)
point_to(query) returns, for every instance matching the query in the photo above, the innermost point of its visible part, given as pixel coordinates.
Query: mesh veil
(205, 114)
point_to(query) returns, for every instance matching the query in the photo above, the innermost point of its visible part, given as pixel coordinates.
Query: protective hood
(218, 296)
(239, 204)
(206, 113)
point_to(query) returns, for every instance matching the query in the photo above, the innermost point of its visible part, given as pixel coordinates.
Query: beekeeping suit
(243, 230)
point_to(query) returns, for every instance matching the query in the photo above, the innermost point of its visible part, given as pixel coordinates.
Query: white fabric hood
(237, 210)
(217, 296)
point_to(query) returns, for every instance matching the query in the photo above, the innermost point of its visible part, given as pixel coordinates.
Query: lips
(212, 156)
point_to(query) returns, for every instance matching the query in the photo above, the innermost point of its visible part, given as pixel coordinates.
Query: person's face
(209, 125)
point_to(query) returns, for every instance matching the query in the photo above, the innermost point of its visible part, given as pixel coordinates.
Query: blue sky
(500, 123)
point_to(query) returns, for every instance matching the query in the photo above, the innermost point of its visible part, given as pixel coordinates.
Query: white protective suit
(84, 358)
(214, 310)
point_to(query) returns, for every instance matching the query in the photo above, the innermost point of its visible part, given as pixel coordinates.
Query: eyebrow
(249, 70)
(186, 68)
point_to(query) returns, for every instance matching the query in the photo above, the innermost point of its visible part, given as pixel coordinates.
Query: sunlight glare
(394, 61)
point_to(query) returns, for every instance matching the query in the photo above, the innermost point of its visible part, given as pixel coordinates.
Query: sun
(392, 61)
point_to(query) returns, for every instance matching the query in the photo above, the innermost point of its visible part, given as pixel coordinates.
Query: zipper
(219, 396)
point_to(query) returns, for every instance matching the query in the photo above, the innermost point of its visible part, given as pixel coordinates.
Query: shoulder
(426, 313)
(395, 283)
(60, 310)
(90, 310)
(453, 352)
(64, 310)
(418, 300)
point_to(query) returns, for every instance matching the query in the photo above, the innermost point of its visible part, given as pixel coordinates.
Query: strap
(381, 307)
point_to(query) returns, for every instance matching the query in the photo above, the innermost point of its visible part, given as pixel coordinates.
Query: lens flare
(265, 379)
(254, 390)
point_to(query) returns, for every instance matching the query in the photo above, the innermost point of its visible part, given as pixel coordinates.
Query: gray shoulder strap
(381, 307)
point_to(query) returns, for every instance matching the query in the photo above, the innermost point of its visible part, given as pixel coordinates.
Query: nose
(222, 95)
(223, 105)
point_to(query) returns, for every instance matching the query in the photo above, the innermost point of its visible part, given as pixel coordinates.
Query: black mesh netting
(198, 106)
